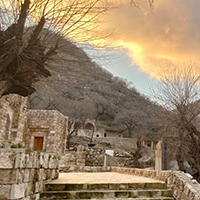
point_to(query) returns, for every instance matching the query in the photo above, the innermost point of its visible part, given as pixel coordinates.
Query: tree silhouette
(30, 36)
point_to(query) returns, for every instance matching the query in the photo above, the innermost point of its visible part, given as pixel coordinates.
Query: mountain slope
(79, 84)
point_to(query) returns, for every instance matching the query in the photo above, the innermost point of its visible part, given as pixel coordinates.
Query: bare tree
(31, 32)
(136, 4)
(78, 112)
(179, 91)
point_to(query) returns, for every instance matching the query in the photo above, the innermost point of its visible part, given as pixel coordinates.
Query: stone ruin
(24, 171)
(43, 130)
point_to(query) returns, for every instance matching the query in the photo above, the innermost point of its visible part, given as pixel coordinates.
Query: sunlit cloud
(159, 37)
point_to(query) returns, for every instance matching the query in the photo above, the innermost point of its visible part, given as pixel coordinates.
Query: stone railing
(183, 188)
(23, 174)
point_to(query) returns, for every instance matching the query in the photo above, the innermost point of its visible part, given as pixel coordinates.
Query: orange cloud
(157, 38)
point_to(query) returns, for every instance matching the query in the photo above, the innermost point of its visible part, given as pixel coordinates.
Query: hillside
(79, 88)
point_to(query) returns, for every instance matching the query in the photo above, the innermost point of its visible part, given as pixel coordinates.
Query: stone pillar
(158, 156)
(152, 145)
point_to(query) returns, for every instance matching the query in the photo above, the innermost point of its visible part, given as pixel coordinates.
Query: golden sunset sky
(150, 39)
(155, 39)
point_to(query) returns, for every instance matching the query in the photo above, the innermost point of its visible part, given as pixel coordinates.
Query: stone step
(106, 194)
(158, 198)
(102, 186)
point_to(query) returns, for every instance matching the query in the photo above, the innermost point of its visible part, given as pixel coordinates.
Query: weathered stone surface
(25, 180)
(7, 159)
(51, 125)
(8, 176)
(18, 191)
(13, 118)
(182, 187)
(5, 192)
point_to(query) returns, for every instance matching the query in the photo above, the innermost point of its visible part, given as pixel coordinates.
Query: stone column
(158, 156)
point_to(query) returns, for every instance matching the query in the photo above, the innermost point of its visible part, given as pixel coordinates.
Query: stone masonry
(51, 126)
(13, 118)
(183, 188)
(23, 173)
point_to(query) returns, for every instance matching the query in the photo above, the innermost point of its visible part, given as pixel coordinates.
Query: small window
(104, 134)
(97, 135)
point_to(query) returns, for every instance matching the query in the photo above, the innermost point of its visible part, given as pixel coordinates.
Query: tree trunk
(194, 159)
(91, 139)
(69, 136)
(180, 159)
(137, 154)
(68, 141)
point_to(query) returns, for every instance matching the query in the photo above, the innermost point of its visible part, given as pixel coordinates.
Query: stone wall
(50, 125)
(23, 174)
(183, 188)
(94, 157)
(13, 109)
(86, 156)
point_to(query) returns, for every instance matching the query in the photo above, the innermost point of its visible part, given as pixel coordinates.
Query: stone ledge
(181, 185)
(159, 175)
(85, 169)
(24, 159)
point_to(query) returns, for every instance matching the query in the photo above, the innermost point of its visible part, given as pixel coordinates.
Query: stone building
(47, 131)
(42, 130)
(13, 118)
(111, 133)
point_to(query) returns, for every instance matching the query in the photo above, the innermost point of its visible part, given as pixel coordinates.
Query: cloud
(157, 38)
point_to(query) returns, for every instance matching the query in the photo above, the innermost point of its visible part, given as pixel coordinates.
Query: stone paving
(101, 177)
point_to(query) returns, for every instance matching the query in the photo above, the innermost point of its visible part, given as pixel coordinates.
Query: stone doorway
(38, 143)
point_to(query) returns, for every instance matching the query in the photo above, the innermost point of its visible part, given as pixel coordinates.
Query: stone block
(30, 189)
(8, 176)
(41, 174)
(37, 187)
(37, 197)
(46, 160)
(53, 162)
(196, 197)
(31, 174)
(30, 160)
(5, 192)
(20, 175)
(7, 160)
(18, 191)
(22, 160)
(26, 175)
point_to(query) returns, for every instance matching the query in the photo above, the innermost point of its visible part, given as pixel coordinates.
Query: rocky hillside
(81, 89)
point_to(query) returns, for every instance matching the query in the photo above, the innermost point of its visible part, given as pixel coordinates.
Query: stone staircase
(108, 191)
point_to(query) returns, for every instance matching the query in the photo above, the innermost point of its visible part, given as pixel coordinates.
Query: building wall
(109, 133)
(49, 124)
(13, 109)
(23, 174)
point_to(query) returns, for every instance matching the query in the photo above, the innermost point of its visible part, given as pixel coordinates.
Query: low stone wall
(86, 169)
(159, 175)
(86, 156)
(23, 174)
(183, 188)
(94, 157)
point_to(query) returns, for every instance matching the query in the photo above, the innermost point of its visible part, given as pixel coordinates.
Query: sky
(152, 40)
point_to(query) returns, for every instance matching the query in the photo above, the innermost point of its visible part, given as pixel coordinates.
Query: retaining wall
(23, 174)
(183, 188)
